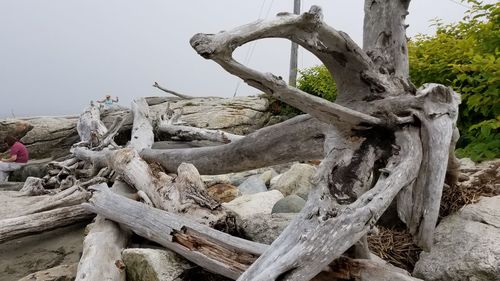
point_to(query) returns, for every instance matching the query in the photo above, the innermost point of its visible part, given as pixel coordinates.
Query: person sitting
(108, 101)
(18, 156)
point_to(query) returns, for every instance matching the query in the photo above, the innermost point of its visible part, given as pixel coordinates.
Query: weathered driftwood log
(90, 127)
(213, 250)
(102, 248)
(381, 133)
(35, 223)
(299, 138)
(193, 133)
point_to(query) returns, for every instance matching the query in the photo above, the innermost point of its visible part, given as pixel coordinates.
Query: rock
(254, 204)
(223, 192)
(46, 250)
(34, 168)
(290, 204)
(254, 184)
(467, 245)
(59, 273)
(265, 228)
(215, 179)
(268, 175)
(466, 163)
(239, 115)
(44, 137)
(153, 265)
(297, 180)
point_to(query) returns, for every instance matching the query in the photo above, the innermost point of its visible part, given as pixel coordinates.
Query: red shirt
(20, 150)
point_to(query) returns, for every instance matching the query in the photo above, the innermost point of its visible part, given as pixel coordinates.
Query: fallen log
(35, 223)
(213, 250)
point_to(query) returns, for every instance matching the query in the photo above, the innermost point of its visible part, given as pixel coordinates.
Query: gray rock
(466, 163)
(297, 180)
(290, 204)
(153, 265)
(254, 204)
(268, 175)
(253, 184)
(265, 228)
(467, 245)
(34, 168)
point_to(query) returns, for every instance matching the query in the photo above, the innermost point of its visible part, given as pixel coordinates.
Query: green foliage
(465, 55)
(318, 81)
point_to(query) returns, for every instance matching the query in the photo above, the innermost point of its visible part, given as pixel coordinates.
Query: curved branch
(351, 68)
(185, 97)
(299, 138)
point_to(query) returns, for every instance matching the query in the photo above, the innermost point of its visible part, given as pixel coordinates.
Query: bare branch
(185, 97)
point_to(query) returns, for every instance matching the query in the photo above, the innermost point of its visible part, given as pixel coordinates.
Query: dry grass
(395, 247)
(471, 187)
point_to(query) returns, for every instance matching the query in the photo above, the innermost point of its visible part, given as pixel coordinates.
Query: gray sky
(57, 55)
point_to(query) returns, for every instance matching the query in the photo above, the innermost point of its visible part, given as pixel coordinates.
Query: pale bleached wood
(324, 230)
(174, 232)
(182, 96)
(33, 186)
(211, 249)
(43, 221)
(142, 131)
(90, 127)
(103, 245)
(384, 35)
(297, 139)
(193, 133)
(69, 197)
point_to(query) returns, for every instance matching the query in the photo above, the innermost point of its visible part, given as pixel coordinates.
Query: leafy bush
(464, 55)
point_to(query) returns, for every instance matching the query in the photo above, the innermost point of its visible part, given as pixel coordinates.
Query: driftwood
(213, 250)
(182, 96)
(43, 221)
(382, 140)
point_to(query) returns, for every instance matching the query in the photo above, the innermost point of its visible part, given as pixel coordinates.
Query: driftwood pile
(382, 141)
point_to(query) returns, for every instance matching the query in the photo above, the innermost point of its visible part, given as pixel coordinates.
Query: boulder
(268, 175)
(290, 204)
(153, 265)
(223, 192)
(254, 204)
(44, 137)
(34, 168)
(297, 180)
(467, 245)
(253, 184)
(264, 228)
(59, 273)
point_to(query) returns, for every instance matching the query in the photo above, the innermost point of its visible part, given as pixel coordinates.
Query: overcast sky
(57, 55)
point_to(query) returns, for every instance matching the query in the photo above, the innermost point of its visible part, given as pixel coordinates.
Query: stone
(264, 228)
(153, 265)
(466, 163)
(290, 204)
(34, 168)
(254, 204)
(253, 184)
(59, 273)
(467, 245)
(268, 175)
(239, 115)
(296, 181)
(223, 192)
